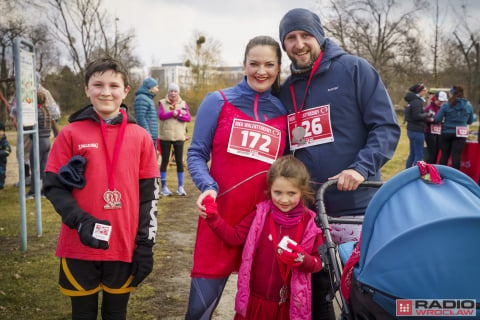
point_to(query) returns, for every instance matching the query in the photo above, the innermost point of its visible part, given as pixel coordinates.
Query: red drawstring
(429, 172)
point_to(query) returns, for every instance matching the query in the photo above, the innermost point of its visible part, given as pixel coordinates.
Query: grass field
(28, 279)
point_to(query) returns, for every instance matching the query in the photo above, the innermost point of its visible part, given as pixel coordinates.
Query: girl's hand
(210, 206)
(294, 258)
(200, 207)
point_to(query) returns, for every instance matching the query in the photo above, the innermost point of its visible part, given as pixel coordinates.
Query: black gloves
(142, 263)
(71, 174)
(85, 231)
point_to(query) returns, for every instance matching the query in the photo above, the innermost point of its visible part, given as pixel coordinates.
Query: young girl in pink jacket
(274, 278)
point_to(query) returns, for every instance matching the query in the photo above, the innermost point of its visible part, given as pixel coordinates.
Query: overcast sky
(164, 27)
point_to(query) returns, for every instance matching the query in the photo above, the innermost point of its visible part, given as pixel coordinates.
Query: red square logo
(404, 307)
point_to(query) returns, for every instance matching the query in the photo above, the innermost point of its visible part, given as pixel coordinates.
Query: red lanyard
(314, 69)
(284, 269)
(111, 163)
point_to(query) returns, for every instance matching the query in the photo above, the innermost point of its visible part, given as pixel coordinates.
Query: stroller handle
(322, 212)
(327, 250)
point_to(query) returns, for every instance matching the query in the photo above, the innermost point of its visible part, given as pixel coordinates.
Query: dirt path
(177, 223)
(170, 279)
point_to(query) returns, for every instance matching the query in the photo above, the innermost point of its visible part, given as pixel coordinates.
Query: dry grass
(28, 278)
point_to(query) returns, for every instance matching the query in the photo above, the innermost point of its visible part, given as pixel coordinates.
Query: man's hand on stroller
(348, 180)
(294, 258)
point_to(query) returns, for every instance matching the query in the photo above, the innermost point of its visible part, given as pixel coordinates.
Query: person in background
(455, 115)
(52, 106)
(433, 130)
(342, 125)
(45, 124)
(415, 117)
(5, 151)
(173, 114)
(102, 178)
(274, 282)
(235, 177)
(27, 143)
(145, 112)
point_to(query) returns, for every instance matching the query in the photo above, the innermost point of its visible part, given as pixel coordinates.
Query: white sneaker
(181, 191)
(165, 192)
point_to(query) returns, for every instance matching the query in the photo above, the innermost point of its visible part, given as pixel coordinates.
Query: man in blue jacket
(342, 125)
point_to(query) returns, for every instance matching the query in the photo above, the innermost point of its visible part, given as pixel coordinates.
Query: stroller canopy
(422, 240)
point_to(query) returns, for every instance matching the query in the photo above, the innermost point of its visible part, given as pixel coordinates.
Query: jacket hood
(461, 103)
(88, 113)
(410, 96)
(144, 90)
(331, 51)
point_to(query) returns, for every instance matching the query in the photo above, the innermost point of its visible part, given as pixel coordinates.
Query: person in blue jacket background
(455, 115)
(145, 112)
(342, 125)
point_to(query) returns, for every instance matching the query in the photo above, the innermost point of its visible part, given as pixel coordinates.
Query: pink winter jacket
(301, 290)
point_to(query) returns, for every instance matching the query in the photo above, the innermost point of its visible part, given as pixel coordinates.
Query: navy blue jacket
(364, 124)
(414, 115)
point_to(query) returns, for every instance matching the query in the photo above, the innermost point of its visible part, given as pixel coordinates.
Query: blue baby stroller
(334, 256)
(419, 251)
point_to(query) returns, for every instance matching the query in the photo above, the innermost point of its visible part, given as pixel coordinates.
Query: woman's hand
(200, 207)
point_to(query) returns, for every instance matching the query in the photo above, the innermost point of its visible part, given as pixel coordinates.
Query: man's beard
(296, 68)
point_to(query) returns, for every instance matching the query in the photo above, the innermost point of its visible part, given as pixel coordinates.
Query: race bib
(316, 124)
(436, 128)
(462, 132)
(255, 140)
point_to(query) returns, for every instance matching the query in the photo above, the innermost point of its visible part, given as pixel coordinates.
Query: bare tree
(202, 53)
(86, 31)
(468, 44)
(373, 29)
(12, 26)
(436, 43)
(384, 32)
